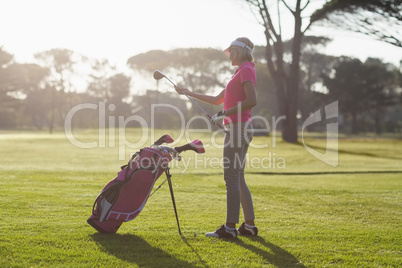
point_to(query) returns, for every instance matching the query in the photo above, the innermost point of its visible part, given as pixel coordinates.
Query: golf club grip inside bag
(124, 197)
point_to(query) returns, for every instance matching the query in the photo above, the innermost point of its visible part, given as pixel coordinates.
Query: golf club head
(195, 146)
(158, 75)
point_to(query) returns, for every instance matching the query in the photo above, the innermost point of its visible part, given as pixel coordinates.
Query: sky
(118, 29)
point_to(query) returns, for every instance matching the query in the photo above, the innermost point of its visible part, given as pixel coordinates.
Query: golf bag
(124, 197)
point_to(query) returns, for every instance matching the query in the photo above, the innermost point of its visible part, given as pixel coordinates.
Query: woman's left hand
(182, 90)
(218, 116)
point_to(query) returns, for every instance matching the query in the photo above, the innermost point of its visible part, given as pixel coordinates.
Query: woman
(238, 97)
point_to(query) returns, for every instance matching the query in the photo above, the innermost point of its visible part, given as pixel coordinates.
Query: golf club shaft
(193, 101)
(169, 80)
(205, 112)
(197, 104)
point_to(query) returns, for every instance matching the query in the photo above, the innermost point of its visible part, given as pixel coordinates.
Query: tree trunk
(286, 78)
(279, 76)
(289, 134)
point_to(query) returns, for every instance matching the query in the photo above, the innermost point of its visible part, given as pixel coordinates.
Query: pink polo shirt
(234, 92)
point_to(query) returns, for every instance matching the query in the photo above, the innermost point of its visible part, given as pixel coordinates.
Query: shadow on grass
(136, 250)
(271, 253)
(204, 264)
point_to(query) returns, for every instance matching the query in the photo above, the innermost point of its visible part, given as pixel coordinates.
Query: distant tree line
(39, 95)
(294, 79)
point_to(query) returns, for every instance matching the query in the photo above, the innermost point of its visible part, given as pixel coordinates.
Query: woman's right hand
(182, 90)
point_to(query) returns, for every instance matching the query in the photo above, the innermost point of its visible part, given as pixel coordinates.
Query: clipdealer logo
(331, 156)
(119, 123)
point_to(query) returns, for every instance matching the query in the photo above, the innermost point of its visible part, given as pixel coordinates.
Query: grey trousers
(234, 160)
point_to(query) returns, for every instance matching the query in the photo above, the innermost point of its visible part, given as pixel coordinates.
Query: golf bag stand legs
(168, 176)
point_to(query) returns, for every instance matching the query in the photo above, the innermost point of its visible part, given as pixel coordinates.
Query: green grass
(308, 213)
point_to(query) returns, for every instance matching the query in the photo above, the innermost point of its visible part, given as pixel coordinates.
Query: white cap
(239, 44)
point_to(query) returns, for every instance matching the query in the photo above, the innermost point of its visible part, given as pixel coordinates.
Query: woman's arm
(248, 103)
(216, 100)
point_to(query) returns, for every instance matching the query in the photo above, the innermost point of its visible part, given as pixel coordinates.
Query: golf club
(159, 75)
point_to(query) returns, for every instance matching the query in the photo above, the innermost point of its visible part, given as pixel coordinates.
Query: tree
(312, 66)
(162, 116)
(5, 60)
(39, 106)
(60, 62)
(8, 102)
(99, 85)
(362, 88)
(16, 81)
(381, 19)
(119, 88)
(205, 70)
(267, 104)
(195, 67)
(286, 75)
(109, 86)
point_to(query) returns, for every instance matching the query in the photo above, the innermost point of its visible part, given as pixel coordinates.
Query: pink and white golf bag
(124, 197)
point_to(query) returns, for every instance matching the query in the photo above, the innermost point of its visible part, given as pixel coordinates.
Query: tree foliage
(61, 63)
(360, 87)
(381, 19)
(162, 109)
(293, 81)
(313, 65)
(16, 81)
(203, 69)
(98, 84)
(286, 74)
(31, 95)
